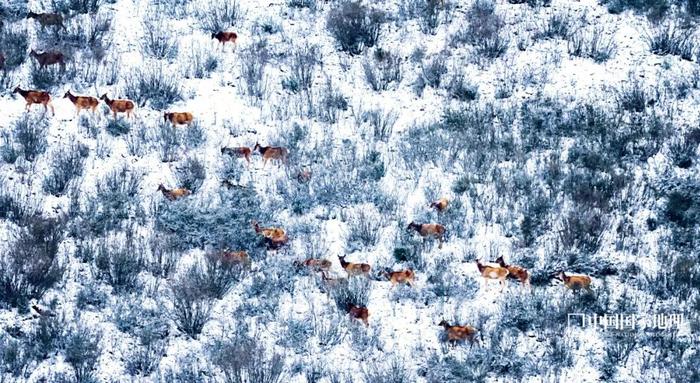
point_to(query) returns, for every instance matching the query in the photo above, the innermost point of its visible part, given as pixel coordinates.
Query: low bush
(218, 15)
(191, 174)
(669, 38)
(82, 350)
(355, 26)
(382, 69)
(158, 41)
(114, 201)
(29, 133)
(254, 60)
(254, 364)
(191, 304)
(68, 164)
(595, 44)
(153, 85)
(119, 261)
(15, 45)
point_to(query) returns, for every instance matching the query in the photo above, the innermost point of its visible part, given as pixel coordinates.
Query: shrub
(632, 95)
(191, 304)
(253, 362)
(654, 9)
(682, 153)
(383, 69)
(14, 356)
(355, 291)
(443, 283)
(557, 25)
(46, 336)
(77, 6)
(303, 67)
(115, 200)
(311, 4)
(221, 221)
(484, 30)
(460, 89)
(153, 85)
(68, 164)
(220, 275)
(158, 40)
(332, 103)
(31, 265)
(669, 38)
(254, 60)
(82, 350)
(218, 15)
(327, 330)
(683, 204)
(364, 229)
(427, 12)
(15, 46)
(168, 142)
(29, 132)
(382, 122)
(581, 230)
(117, 126)
(595, 44)
(191, 174)
(120, 260)
(393, 370)
(201, 62)
(143, 359)
(354, 26)
(431, 73)
(93, 32)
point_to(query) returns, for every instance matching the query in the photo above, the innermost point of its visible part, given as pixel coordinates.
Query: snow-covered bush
(303, 63)
(192, 303)
(118, 126)
(119, 260)
(153, 85)
(114, 201)
(191, 174)
(15, 45)
(68, 162)
(426, 11)
(484, 30)
(78, 6)
(29, 133)
(594, 43)
(669, 38)
(200, 62)
(158, 40)
(218, 15)
(431, 73)
(254, 60)
(82, 350)
(382, 68)
(355, 26)
(460, 88)
(220, 275)
(253, 362)
(355, 291)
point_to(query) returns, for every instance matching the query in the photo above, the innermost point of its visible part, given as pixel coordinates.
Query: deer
(47, 19)
(440, 205)
(360, 313)
(2, 61)
(235, 256)
(354, 268)
(492, 272)
(174, 194)
(315, 264)
(181, 118)
(271, 152)
(575, 282)
(425, 230)
(35, 97)
(331, 282)
(119, 106)
(515, 272)
(274, 237)
(404, 276)
(49, 58)
(82, 102)
(225, 37)
(240, 151)
(459, 333)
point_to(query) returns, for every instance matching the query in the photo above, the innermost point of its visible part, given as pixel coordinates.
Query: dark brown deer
(173, 194)
(225, 37)
(459, 333)
(181, 118)
(425, 230)
(274, 237)
(315, 264)
(49, 58)
(35, 97)
(515, 272)
(82, 102)
(235, 256)
(45, 19)
(440, 205)
(119, 106)
(240, 151)
(354, 268)
(360, 313)
(407, 276)
(271, 152)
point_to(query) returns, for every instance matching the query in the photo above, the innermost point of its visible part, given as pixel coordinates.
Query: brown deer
(274, 237)
(82, 102)
(119, 106)
(404, 276)
(434, 230)
(315, 264)
(440, 205)
(241, 151)
(354, 268)
(225, 37)
(49, 58)
(173, 194)
(360, 313)
(35, 97)
(47, 19)
(515, 272)
(575, 282)
(331, 282)
(181, 118)
(459, 333)
(271, 152)
(492, 272)
(235, 256)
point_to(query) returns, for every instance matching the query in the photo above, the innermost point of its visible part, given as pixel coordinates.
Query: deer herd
(275, 237)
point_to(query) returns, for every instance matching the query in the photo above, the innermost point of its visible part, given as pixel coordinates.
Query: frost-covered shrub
(670, 38)
(117, 126)
(158, 40)
(82, 350)
(484, 30)
(332, 103)
(355, 26)
(92, 32)
(15, 45)
(632, 95)
(444, 283)
(304, 61)
(77, 6)
(191, 174)
(327, 330)
(254, 60)
(682, 205)
(68, 162)
(382, 122)
(431, 73)
(31, 265)
(311, 4)
(168, 142)
(143, 358)
(51, 76)
(220, 275)
(15, 357)
(46, 336)
(461, 89)
(114, 201)
(91, 295)
(201, 62)
(218, 15)
(253, 362)
(596, 44)
(192, 305)
(682, 152)
(153, 85)
(557, 25)
(393, 370)
(29, 133)
(654, 9)
(426, 11)
(364, 229)
(382, 68)
(355, 291)
(221, 221)
(119, 261)
(581, 230)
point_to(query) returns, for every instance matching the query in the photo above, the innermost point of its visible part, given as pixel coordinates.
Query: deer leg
(53, 111)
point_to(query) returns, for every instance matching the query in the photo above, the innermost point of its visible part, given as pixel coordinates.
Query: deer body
(241, 151)
(174, 194)
(225, 37)
(82, 102)
(354, 268)
(274, 236)
(440, 205)
(35, 97)
(515, 272)
(119, 106)
(316, 264)
(575, 282)
(434, 230)
(272, 152)
(236, 256)
(404, 276)
(459, 333)
(47, 19)
(181, 118)
(48, 58)
(492, 272)
(360, 313)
